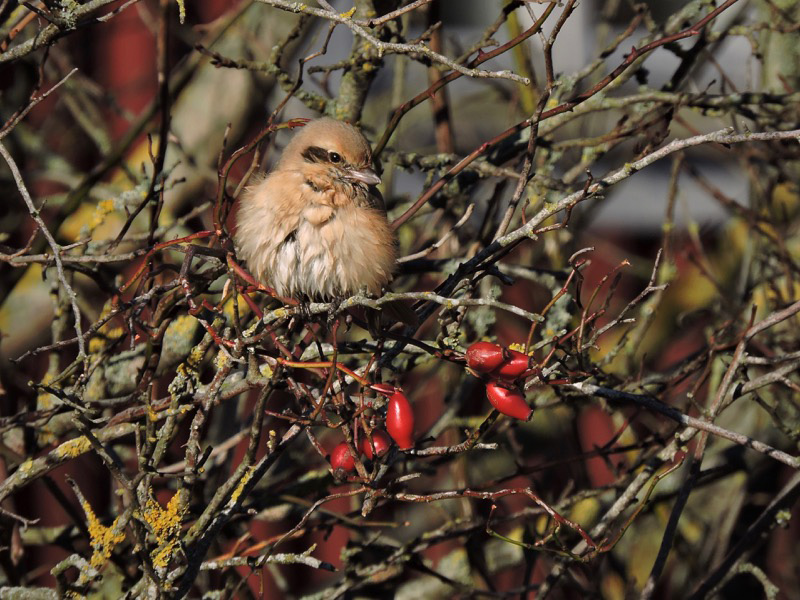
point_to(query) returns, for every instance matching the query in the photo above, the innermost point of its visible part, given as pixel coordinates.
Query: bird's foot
(304, 308)
(333, 311)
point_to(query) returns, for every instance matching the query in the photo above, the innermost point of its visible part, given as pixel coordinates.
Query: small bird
(316, 225)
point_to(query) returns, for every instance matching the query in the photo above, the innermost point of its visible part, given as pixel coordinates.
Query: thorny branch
(392, 47)
(213, 408)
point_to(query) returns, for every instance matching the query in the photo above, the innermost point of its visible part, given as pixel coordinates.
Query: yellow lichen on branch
(181, 11)
(73, 448)
(165, 525)
(103, 539)
(240, 487)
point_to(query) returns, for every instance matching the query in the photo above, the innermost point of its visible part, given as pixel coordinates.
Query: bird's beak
(365, 175)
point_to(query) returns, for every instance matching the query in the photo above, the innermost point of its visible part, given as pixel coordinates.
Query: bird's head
(327, 148)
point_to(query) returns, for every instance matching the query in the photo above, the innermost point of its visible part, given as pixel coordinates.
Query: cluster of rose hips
(500, 366)
(399, 424)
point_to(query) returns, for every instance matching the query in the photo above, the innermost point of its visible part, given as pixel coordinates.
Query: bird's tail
(389, 314)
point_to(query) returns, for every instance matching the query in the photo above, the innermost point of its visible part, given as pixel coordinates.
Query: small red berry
(341, 458)
(380, 441)
(399, 416)
(485, 357)
(400, 421)
(510, 402)
(514, 366)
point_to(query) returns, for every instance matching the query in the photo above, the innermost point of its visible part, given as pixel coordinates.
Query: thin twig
(62, 277)
(650, 403)
(393, 47)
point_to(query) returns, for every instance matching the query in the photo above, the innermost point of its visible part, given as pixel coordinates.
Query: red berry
(400, 421)
(485, 357)
(514, 366)
(341, 458)
(508, 401)
(380, 441)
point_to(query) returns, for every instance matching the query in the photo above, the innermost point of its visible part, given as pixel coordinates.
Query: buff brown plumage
(316, 225)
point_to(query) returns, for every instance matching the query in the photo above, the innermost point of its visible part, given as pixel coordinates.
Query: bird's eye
(335, 157)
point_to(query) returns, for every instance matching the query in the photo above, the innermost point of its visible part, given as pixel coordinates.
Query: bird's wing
(375, 199)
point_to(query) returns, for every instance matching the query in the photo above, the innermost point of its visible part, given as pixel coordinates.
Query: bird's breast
(351, 249)
(318, 214)
(314, 244)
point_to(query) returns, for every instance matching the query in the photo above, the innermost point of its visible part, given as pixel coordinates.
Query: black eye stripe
(315, 154)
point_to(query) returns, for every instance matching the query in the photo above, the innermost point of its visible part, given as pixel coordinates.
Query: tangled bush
(582, 409)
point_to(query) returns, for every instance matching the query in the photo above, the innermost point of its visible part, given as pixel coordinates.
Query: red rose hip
(400, 421)
(485, 357)
(514, 366)
(341, 458)
(380, 441)
(508, 401)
